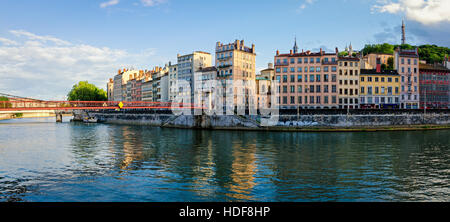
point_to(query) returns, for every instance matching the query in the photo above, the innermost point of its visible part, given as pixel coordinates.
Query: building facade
(434, 87)
(173, 79)
(186, 68)
(307, 79)
(406, 62)
(235, 61)
(348, 79)
(380, 89)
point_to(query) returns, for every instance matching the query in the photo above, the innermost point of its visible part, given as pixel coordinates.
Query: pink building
(307, 79)
(406, 62)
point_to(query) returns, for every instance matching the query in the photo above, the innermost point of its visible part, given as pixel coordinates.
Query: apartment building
(406, 62)
(307, 79)
(380, 89)
(434, 82)
(348, 79)
(186, 68)
(235, 61)
(173, 79)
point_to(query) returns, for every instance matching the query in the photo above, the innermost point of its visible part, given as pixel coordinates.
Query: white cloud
(32, 36)
(426, 12)
(305, 4)
(109, 3)
(149, 3)
(5, 41)
(38, 68)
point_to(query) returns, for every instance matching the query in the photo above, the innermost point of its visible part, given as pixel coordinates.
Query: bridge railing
(73, 105)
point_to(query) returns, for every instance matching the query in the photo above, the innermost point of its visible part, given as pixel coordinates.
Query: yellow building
(235, 61)
(370, 61)
(379, 88)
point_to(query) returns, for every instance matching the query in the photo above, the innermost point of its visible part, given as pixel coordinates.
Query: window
(311, 78)
(299, 100)
(306, 99)
(318, 99)
(333, 99)
(284, 89)
(299, 78)
(389, 79)
(284, 78)
(299, 69)
(325, 88)
(311, 69)
(318, 89)
(311, 99)
(292, 69)
(299, 60)
(292, 61)
(285, 70)
(333, 68)
(278, 70)
(333, 89)
(362, 79)
(369, 90)
(325, 78)
(333, 78)
(376, 90)
(389, 90)
(311, 89)
(362, 89)
(317, 60)
(325, 69)
(369, 79)
(284, 99)
(311, 60)
(317, 78)
(292, 89)
(292, 78)
(376, 79)
(292, 99)
(299, 89)
(305, 60)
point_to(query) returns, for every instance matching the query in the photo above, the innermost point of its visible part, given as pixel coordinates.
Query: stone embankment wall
(284, 122)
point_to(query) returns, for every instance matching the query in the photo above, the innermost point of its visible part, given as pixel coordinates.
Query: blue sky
(62, 41)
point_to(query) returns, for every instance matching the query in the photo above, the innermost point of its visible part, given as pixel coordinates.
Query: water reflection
(79, 162)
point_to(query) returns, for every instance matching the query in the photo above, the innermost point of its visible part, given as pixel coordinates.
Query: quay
(310, 120)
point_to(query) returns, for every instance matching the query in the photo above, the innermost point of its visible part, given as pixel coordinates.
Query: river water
(41, 160)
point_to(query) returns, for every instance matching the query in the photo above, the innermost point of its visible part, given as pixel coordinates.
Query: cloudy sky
(48, 45)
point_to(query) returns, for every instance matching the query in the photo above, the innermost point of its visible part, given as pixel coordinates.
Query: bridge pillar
(59, 117)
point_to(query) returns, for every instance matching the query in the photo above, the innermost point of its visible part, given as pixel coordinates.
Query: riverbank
(305, 123)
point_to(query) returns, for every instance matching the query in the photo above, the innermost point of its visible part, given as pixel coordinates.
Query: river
(41, 160)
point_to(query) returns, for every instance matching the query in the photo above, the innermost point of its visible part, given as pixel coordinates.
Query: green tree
(84, 91)
(390, 63)
(3, 102)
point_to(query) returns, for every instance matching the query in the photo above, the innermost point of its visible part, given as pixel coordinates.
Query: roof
(383, 72)
(268, 69)
(433, 67)
(348, 59)
(305, 54)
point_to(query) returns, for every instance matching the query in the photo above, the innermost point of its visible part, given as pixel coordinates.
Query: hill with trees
(429, 53)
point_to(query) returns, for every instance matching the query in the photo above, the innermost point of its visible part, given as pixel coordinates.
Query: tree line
(430, 53)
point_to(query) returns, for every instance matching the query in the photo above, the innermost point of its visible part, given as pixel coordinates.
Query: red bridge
(16, 104)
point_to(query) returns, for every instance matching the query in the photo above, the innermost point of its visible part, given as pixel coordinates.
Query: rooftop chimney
(270, 65)
(378, 65)
(291, 52)
(278, 52)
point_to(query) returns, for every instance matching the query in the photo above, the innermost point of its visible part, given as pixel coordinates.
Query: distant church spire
(295, 46)
(403, 32)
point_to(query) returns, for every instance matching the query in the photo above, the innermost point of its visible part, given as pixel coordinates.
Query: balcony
(223, 66)
(225, 58)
